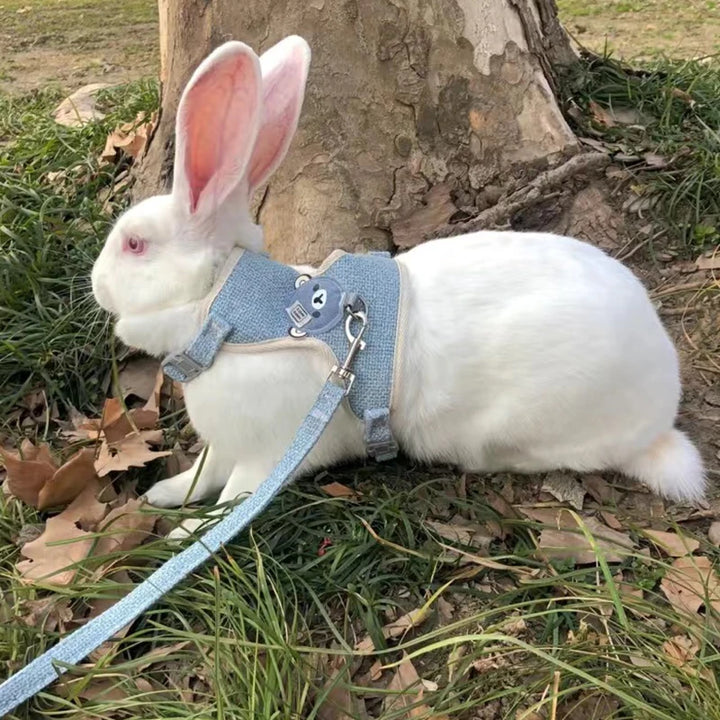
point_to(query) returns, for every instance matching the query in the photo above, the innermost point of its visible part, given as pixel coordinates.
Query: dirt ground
(645, 28)
(72, 42)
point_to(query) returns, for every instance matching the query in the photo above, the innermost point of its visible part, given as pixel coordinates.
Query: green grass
(253, 631)
(644, 28)
(257, 621)
(677, 117)
(52, 337)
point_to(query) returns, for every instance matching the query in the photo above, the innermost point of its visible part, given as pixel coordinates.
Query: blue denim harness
(263, 301)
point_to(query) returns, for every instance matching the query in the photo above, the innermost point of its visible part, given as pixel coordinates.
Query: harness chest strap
(259, 301)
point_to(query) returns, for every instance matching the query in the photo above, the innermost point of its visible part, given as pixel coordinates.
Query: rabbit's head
(234, 124)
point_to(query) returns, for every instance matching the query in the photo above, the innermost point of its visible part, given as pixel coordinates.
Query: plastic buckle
(184, 365)
(383, 451)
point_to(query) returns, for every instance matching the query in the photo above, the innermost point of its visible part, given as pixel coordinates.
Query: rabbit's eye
(134, 245)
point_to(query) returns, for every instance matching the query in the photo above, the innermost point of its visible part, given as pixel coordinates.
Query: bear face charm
(318, 305)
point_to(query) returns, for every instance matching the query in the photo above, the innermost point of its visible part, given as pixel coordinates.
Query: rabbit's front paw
(186, 529)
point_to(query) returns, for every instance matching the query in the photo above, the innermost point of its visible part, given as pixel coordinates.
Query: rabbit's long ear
(284, 74)
(216, 127)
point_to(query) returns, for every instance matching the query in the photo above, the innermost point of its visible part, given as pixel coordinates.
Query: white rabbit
(523, 351)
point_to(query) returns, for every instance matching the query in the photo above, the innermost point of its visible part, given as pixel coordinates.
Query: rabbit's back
(530, 351)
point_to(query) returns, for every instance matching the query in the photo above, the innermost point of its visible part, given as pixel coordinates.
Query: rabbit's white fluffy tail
(670, 466)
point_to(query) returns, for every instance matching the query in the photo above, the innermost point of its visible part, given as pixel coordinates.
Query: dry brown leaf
(131, 451)
(709, 261)
(461, 532)
(49, 613)
(139, 378)
(611, 520)
(407, 688)
(50, 564)
(124, 528)
(86, 511)
(446, 610)
(600, 115)
(564, 539)
(680, 649)
(600, 489)
(590, 706)
(68, 481)
(27, 474)
(691, 583)
(337, 490)
(116, 424)
(500, 505)
(339, 702)
(565, 488)
(177, 462)
(714, 533)
(671, 543)
(159, 654)
(80, 107)
(129, 138)
(104, 689)
(397, 627)
(99, 605)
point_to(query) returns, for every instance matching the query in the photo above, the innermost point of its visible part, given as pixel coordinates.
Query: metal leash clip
(343, 372)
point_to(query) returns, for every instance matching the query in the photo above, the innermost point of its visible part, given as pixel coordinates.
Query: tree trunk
(404, 97)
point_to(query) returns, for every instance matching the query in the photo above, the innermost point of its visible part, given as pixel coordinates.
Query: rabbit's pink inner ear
(285, 69)
(217, 126)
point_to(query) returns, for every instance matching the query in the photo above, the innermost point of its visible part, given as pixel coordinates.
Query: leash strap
(75, 647)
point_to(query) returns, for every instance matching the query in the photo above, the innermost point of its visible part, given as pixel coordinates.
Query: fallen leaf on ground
(565, 488)
(611, 520)
(500, 505)
(462, 532)
(709, 261)
(28, 473)
(592, 706)
(124, 528)
(38, 481)
(671, 543)
(159, 654)
(122, 583)
(600, 115)
(446, 610)
(691, 583)
(50, 563)
(139, 378)
(680, 649)
(68, 481)
(339, 703)
(80, 107)
(714, 533)
(337, 490)
(565, 540)
(86, 511)
(454, 658)
(398, 627)
(177, 462)
(49, 613)
(408, 690)
(600, 489)
(130, 138)
(116, 424)
(131, 451)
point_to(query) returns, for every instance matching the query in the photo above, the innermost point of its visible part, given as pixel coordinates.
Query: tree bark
(403, 96)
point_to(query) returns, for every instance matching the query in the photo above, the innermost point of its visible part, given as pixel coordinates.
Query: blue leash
(75, 647)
